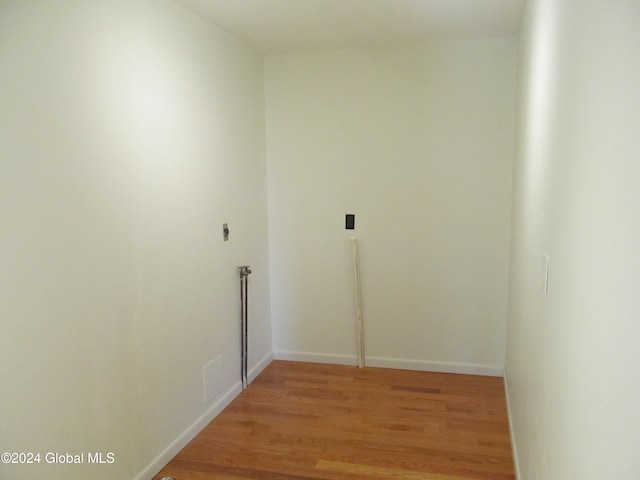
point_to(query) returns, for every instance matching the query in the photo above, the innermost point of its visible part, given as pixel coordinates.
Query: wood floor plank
(311, 421)
(381, 472)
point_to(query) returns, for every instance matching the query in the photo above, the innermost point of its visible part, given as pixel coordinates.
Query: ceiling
(276, 26)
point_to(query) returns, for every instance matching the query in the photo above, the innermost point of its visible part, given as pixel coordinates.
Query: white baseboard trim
(189, 434)
(259, 367)
(435, 366)
(397, 363)
(350, 360)
(514, 449)
(196, 427)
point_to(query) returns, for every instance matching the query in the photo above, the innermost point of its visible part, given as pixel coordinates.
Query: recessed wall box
(350, 222)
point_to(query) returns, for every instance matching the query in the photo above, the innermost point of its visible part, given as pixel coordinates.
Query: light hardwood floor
(301, 421)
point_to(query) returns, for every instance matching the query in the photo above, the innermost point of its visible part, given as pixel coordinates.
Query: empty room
(319, 239)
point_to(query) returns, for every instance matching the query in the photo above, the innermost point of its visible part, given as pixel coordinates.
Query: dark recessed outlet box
(350, 222)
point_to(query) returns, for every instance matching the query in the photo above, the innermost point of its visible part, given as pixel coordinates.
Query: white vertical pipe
(359, 322)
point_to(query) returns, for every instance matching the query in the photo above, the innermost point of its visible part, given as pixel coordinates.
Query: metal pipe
(245, 271)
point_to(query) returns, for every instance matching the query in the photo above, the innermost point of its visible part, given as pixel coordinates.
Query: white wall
(130, 131)
(417, 142)
(573, 361)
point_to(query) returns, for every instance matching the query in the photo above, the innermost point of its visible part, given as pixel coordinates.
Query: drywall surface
(417, 142)
(130, 131)
(572, 358)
